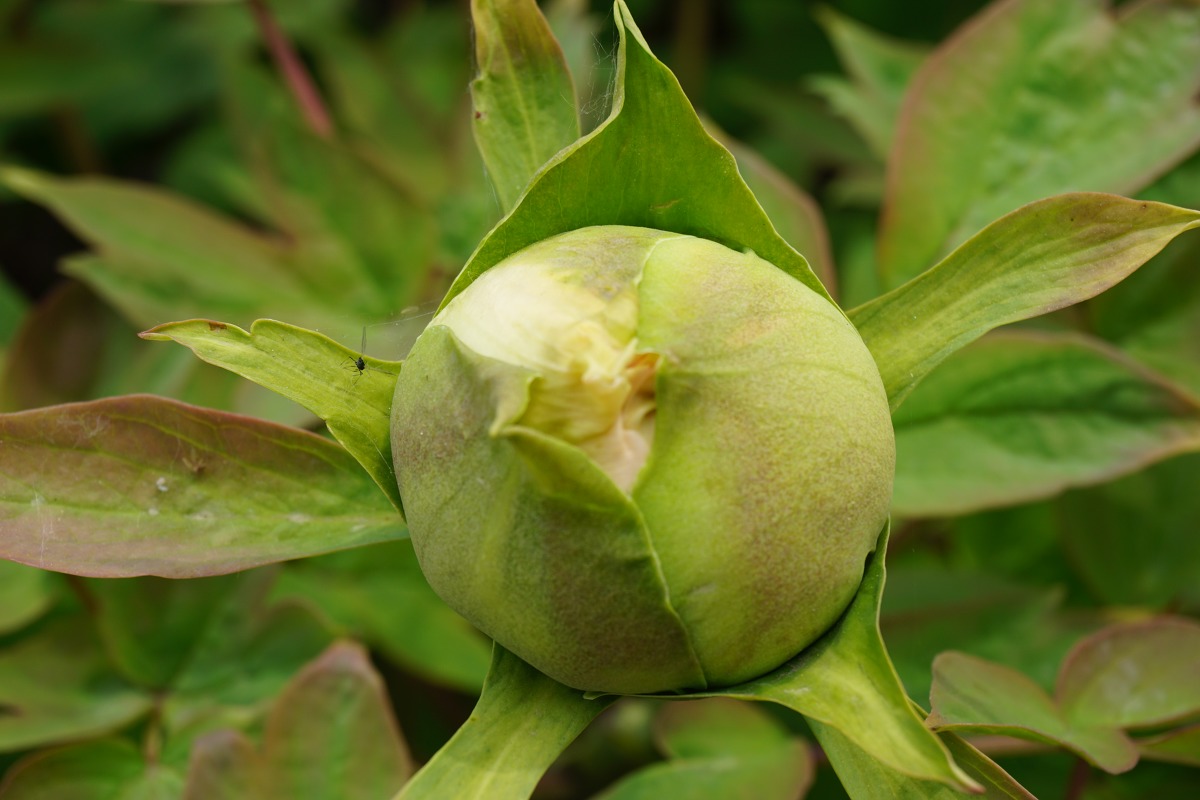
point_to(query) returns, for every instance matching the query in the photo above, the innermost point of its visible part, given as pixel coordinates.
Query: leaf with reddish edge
(845, 681)
(331, 733)
(56, 685)
(108, 768)
(1086, 242)
(793, 212)
(977, 696)
(223, 766)
(1023, 415)
(866, 778)
(1133, 675)
(141, 485)
(313, 370)
(1029, 99)
(522, 723)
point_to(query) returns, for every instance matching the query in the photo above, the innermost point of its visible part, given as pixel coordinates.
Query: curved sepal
(312, 370)
(650, 164)
(845, 682)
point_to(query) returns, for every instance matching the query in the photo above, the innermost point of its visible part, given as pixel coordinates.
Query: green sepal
(650, 164)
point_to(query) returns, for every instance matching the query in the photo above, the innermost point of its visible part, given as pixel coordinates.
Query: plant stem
(1078, 780)
(298, 80)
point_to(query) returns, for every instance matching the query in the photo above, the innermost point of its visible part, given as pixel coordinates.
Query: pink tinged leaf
(141, 485)
(1134, 675)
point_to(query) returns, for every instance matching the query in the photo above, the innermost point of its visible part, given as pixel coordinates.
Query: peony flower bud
(643, 461)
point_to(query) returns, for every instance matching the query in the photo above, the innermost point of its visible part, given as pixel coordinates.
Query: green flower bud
(642, 461)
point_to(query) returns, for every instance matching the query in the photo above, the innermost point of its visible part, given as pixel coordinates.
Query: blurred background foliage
(157, 167)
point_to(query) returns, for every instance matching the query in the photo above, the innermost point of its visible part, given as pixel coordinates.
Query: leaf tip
(22, 181)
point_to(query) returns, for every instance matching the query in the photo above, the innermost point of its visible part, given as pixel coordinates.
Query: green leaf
(74, 348)
(162, 257)
(12, 308)
(720, 748)
(379, 595)
(1134, 675)
(924, 613)
(1180, 746)
(794, 213)
(25, 594)
(1040, 258)
(522, 723)
(1160, 565)
(523, 95)
(108, 768)
(650, 164)
(141, 485)
(1031, 99)
(331, 733)
(362, 244)
(977, 696)
(880, 68)
(240, 661)
(56, 685)
(39, 77)
(148, 625)
(866, 778)
(1155, 314)
(1019, 416)
(313, 370)
(846, 681)
(380, 110)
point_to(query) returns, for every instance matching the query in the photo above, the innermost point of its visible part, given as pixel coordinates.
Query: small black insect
(359, 365)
